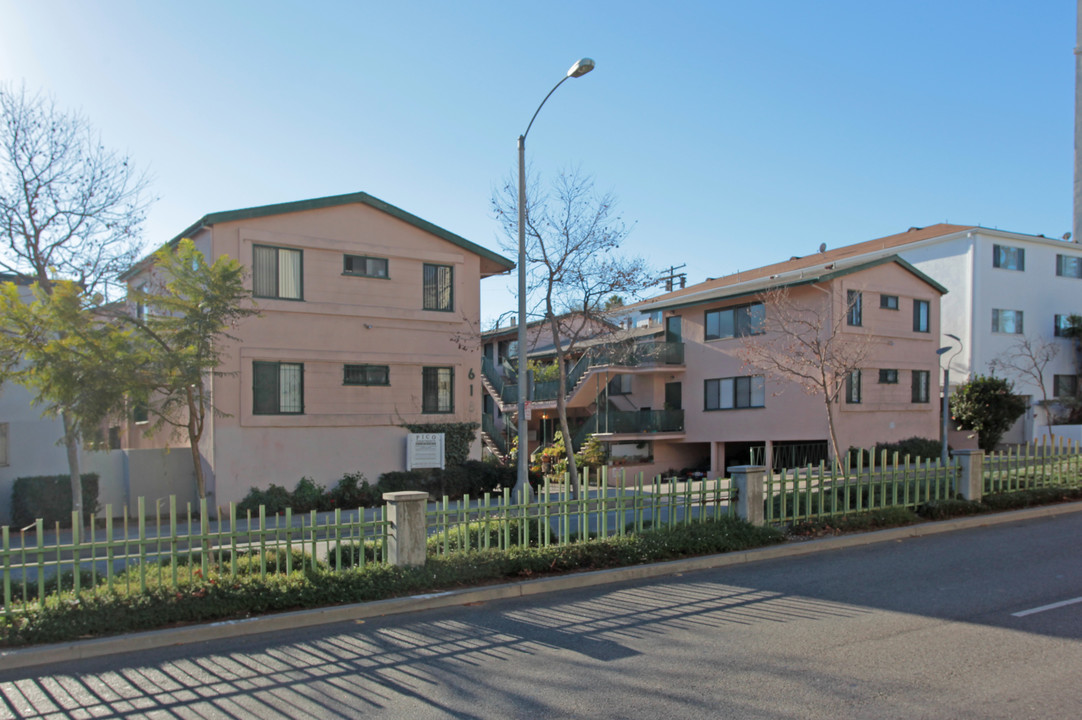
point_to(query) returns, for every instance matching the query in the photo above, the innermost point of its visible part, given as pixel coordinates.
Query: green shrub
(48, 497)
(858, 522)
(1027, 498)
(307, 496)
(275, 499)
(352, 492)
(917, 449)
(400, 480)
(949, 508)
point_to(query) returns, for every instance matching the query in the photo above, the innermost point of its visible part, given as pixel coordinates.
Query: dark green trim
(429, 402)
(326, 202)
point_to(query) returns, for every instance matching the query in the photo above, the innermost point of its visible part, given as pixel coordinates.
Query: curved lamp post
(522, 484)
(945, 411)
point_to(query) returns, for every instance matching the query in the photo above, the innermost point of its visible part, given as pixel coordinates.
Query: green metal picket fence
(1043, 464)
(166, 549)
(818, 492)
(557, 516)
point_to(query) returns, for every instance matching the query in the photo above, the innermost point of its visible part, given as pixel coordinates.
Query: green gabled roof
(802, 276)
(326, 202)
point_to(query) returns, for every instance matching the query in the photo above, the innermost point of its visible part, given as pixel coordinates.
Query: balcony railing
(639, 422)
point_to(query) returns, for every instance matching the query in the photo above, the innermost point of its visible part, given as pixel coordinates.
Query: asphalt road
(980, 623)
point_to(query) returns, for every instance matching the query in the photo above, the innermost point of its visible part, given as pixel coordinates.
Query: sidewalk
(62, 652)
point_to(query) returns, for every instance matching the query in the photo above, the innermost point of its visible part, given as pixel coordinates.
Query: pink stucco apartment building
(683, 397)
(369, 320)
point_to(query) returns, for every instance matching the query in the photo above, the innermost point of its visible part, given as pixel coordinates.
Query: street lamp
(522, 483)
(945, 411)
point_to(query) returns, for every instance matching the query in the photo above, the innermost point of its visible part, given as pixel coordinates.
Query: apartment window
(1069, 266)
(277, 388)
(920, 386)
(1065, 386)
(438, 390)
(735, 393)
(852, 388)
(888, 302)
(1008, 258)
(438, 287)
(620, 385)
(854, 303)
(921, 315)
(276, 273)
(888, 377)
(363, 266)
(735, 321)
(1062, 325)
(140, 413)
(366, 375)
(1007, 321)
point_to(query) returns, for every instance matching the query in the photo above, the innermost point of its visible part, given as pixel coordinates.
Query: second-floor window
(1069, 266)
(852, 388)
(734, 393)
(888, 302)
(921, 313)
(1007, 321)
(276, 273)
(735, 321)
(439, 287)
(364, 266)
(921, 383)
(854, 303)
(1008, 258)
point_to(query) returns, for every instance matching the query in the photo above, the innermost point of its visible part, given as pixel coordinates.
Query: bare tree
(807, 343)
(574, 265)
(1028, 360)
(69, 210)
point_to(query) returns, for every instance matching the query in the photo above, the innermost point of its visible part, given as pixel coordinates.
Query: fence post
(748, 481)
(971, 478)
(406, 533)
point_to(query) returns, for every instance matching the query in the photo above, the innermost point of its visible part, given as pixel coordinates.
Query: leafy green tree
(77, 365)
(70, 210)
(186, 312)
(986, 404)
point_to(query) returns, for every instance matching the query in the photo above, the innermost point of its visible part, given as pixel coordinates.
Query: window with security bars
(439, 287)
(277, 388)
(276, 273)
(888, 377)
(735, 393)
(363, 266)
(437, 390)
(366, 375)
(738, 321)
(921, 382)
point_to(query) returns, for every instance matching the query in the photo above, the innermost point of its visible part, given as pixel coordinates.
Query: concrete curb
(81, 650)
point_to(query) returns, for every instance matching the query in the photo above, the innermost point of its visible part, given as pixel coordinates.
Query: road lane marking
(1042, 608)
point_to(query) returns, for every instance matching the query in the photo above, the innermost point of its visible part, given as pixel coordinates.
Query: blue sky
(734, 134)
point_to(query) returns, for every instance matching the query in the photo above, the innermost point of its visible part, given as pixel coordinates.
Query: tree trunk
(195, 433)
(71, 443)
(833, 434)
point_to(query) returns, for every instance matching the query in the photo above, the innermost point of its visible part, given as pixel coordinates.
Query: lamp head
(581, 68)
(952, 336)
(942, 350)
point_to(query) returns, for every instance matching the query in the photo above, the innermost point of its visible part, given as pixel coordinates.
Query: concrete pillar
(407, 530)
(749, 481)
(971, 478)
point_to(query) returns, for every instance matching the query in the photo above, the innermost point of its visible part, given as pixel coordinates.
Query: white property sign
(424, 450)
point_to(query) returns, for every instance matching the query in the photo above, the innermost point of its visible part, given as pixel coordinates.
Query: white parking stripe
(1042, 608)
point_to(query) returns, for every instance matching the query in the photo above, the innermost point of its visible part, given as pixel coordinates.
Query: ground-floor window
(277, 388)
